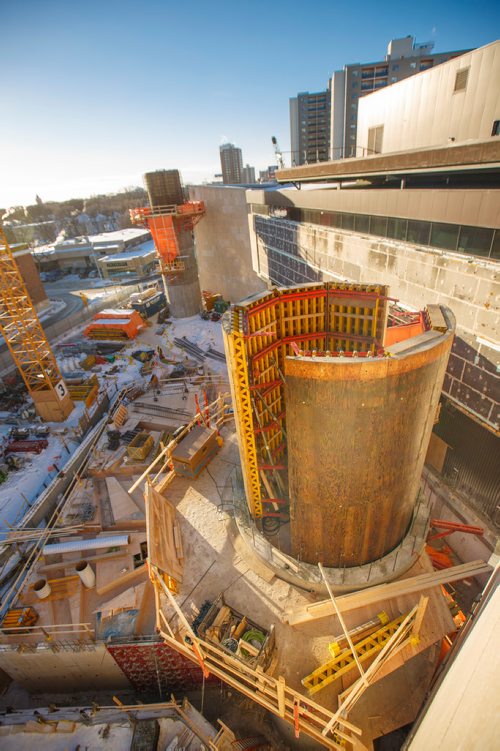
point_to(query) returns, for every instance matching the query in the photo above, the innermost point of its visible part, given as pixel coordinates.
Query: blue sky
(96, 93)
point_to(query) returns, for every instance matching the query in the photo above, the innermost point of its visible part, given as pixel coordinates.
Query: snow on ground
(55, 306)
(204, 334)
(23, 486)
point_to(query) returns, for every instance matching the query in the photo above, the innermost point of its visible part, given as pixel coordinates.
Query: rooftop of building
(480, 156)
(139, 251)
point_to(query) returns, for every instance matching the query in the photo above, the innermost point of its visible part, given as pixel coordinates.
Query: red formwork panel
(153, 665)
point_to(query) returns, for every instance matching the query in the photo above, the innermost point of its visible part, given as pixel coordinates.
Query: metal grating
(461, 78)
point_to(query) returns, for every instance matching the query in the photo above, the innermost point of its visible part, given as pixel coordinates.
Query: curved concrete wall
(357, 434)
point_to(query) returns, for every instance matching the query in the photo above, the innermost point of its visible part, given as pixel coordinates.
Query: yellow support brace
(345, 661)
(243, 415)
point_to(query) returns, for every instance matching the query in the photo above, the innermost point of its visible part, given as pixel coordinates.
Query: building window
(418, 232)
(496, 128)
(394, 79)
(475, 240)
(375, 138)
(461, 79)
(413, 66)
(444, 236)
(396, 228)
(348, 221)
(362, 223)
(495, 248)
(378, 225)
(426, 64)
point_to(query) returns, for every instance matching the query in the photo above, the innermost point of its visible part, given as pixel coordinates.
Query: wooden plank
(127, 578)
(73, 561)
(373, 595)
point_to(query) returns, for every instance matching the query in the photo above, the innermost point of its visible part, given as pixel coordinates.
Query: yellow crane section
(26, 340)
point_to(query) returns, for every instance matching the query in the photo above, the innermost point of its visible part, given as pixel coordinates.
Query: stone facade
(294, 253)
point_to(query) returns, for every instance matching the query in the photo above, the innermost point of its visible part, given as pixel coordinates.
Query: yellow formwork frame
(260, 341)
(345, 661)
(238, 375)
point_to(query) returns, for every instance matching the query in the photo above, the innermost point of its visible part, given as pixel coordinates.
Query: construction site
(230, 539)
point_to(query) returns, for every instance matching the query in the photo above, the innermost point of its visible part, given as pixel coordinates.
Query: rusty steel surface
(357, 437)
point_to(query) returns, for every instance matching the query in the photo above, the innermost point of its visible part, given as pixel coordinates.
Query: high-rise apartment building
(248, 175)
(231, 162)
(310, 127)
(404, 58)
(323, 124)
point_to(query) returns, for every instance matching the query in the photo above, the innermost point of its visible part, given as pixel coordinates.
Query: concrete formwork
(357, 434)
(183, 288)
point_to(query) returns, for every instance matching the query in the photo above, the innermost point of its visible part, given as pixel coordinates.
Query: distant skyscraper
(310, 127)
(231, 163)
(248, 174)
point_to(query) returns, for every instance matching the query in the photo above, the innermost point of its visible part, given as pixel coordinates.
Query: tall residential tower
(231, 162)
(310, 127)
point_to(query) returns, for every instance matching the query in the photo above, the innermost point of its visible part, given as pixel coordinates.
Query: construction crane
(26, 340)
(278, 152)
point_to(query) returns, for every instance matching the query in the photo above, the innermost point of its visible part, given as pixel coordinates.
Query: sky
(94, 94)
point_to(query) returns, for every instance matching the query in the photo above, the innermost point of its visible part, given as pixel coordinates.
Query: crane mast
(26, 340)
(278, 152)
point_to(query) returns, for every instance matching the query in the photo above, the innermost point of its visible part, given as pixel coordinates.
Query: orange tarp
(128, 321)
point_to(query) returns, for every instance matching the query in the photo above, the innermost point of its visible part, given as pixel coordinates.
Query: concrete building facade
(437, 107)
(223, 246)
(80, 253)
(231, 162)
(319, 235)
(138, 262)
(404, 59)
(31, 277)
(310, 127)
(248, 174)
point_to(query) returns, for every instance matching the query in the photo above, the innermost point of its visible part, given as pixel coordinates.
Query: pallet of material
(82, 391)
(27, 447)
(18, 617)
(140, 446)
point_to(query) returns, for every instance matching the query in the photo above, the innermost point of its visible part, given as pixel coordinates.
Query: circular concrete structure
(357, 434)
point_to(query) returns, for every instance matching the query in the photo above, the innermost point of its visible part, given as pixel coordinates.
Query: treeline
(106, 204)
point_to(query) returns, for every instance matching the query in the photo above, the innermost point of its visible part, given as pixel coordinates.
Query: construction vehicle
(26, 340)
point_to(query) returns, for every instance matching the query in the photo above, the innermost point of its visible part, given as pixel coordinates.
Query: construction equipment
(236, 634)
(346, 661)
(165, 224)
(278, 152)
(26, 340)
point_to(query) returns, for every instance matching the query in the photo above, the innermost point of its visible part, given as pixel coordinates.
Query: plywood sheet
(164, 535)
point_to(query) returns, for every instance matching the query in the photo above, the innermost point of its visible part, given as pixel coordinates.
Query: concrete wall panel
(223, 248)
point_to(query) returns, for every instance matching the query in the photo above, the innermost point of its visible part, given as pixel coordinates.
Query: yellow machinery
(28, 345)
